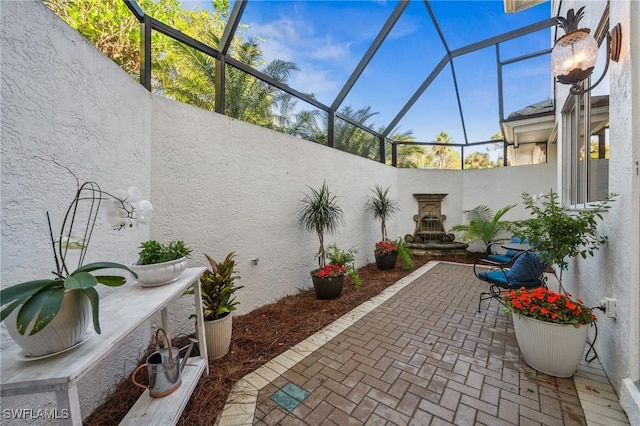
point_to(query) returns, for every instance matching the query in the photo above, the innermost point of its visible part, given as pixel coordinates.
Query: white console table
(120, 314)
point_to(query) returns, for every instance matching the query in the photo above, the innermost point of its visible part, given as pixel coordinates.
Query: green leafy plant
(405, 254)
(559, 233)
(154, 252)
(347, 259)
(319, 212)
(217, 287)
(484, 225)
(381, 207)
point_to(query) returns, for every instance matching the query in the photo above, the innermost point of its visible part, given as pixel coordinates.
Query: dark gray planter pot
(388, 261)
(327, 288)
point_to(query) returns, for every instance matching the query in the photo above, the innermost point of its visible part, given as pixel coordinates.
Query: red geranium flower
(385, 247)
(546, 305)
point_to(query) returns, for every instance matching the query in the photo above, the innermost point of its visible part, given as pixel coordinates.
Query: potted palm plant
(319, 212)
(160, 263)
(217, 287)
(382, 208)
(484, 225)
(52, 315)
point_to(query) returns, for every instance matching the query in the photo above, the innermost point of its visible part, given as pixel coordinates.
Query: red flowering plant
(548, 306)
(331, 270)
(385, 247)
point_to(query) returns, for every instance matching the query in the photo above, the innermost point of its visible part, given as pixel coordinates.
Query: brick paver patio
(422, 357)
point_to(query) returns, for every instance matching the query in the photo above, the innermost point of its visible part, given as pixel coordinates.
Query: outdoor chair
(526, 270)
(509, 255)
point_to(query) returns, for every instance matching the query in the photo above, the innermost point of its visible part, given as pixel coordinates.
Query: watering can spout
(186, 355)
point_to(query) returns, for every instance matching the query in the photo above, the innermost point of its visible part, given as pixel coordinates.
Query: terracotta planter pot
(218, 334)
(387, 261)
(554, 349)
(327, 288)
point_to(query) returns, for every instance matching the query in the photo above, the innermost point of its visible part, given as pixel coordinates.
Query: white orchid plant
(39, 301)
(128, 209)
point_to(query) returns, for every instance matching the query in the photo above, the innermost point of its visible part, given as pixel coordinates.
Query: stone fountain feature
(430, 237)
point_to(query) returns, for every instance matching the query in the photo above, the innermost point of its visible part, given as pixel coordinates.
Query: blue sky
(327, 39)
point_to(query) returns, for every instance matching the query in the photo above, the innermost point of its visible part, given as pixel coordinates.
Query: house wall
(613, 271)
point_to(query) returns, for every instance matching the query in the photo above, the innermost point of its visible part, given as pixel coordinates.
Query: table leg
(68, 404)
(202, 340)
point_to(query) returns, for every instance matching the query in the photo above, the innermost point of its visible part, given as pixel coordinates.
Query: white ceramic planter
(218, 334)
(157, 274)
(554, 349)
(68, 328)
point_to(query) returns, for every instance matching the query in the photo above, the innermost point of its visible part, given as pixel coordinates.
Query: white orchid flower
(144, 210)
(133, 195)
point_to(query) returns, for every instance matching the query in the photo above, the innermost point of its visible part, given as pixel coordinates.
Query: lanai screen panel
(325, 39)
(408, 54)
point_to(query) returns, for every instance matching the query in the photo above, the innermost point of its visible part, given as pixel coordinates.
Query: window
(587, 160)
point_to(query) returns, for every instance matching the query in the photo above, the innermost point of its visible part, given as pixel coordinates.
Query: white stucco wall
(224, 185)
(62, 99)
(613, 271)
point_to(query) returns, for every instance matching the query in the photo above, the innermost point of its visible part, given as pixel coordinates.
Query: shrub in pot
(217, 287)
(320, 213)
(556, 233)
(161, 263)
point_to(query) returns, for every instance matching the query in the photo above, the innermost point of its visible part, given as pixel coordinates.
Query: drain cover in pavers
(289, 396)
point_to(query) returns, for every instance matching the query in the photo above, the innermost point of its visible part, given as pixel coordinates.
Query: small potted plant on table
(161, 263)
(320, 213)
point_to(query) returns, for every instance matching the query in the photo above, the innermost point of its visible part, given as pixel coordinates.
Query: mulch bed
(260, 336)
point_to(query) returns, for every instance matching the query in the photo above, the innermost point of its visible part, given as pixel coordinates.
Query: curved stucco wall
(215, 182)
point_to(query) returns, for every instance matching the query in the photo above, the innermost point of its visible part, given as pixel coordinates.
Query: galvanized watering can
(164, 367)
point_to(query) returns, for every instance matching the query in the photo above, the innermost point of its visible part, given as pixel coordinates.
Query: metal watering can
(164, 367)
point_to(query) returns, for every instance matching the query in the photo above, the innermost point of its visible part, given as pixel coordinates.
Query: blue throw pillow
(528, 268)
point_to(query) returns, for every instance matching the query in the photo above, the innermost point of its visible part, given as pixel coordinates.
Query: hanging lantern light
(574, 55)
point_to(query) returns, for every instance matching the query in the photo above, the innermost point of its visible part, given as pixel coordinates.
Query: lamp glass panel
(574, 51)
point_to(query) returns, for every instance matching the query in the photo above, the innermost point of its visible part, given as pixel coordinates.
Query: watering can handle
(133, 377)
(166, 338)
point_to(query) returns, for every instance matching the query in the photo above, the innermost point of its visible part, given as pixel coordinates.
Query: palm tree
(445, 157)
(381, 207)
(320, 213)
(484, 225)
(192, 80)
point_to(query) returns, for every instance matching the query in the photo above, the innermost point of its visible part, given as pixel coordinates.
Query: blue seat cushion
(502, 258)
(497, 277)
(527, 270)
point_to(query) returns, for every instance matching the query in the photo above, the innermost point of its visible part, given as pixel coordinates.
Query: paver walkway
(422, 357)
